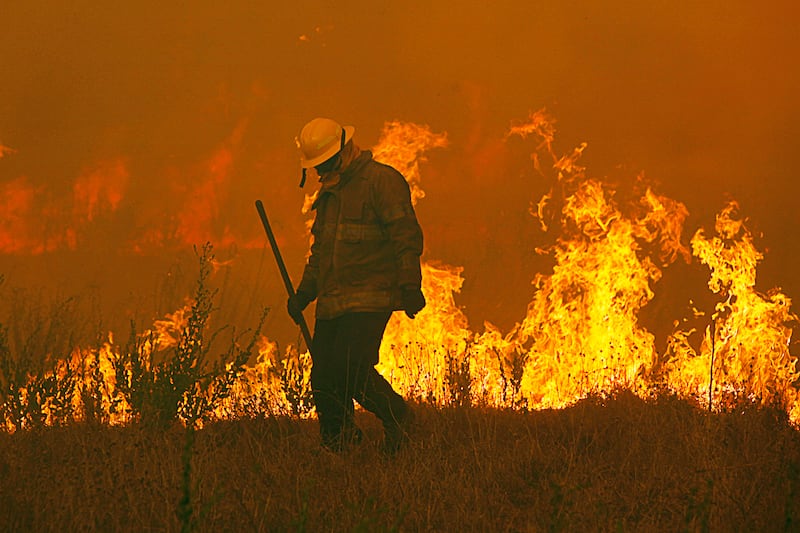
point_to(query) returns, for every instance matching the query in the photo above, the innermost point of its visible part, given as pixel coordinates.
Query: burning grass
(617, 464)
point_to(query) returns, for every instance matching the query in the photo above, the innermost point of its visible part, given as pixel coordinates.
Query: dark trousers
(344, 355)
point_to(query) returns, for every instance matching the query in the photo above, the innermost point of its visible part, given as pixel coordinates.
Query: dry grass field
(621, 464)
(100, 442)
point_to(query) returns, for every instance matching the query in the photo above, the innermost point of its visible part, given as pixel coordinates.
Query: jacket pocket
(353, 232)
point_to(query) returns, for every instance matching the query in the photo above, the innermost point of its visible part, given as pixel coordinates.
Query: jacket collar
(346, 175)
(355, 167)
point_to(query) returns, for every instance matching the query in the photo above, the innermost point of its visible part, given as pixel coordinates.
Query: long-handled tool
(282, 267)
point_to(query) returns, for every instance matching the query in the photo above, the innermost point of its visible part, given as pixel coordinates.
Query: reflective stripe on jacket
(367, 242)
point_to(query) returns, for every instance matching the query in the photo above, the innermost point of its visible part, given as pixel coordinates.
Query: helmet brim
(309, 163)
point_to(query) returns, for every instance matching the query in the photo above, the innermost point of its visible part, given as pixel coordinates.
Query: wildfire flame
(745, 349)
(36, 220)
(403, 146)
(581, 333)
(582, 324)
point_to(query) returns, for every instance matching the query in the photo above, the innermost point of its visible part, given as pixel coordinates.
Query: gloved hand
(413, 301)
(295, 305)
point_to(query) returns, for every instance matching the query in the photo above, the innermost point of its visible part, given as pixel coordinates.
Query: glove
(295, 305)
(413, 301)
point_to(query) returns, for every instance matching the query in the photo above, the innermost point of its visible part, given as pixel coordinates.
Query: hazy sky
(135, 128)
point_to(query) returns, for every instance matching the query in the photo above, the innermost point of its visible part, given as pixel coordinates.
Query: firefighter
(364, 264)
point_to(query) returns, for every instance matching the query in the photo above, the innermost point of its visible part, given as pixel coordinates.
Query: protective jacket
(366, 242)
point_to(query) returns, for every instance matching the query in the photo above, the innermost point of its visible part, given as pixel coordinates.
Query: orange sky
(136, 129)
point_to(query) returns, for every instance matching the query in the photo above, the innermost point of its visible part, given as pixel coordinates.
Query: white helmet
(321, 139)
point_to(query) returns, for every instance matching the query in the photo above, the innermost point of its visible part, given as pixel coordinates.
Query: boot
(343, 439)
(396, 431)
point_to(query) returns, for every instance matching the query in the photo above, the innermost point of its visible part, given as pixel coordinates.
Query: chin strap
(305, 170)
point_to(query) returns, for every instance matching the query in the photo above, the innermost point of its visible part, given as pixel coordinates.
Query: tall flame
(745, 349)
(403, 146)
(582, 324)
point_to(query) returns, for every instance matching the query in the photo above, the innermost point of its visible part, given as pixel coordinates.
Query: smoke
(139, 130)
